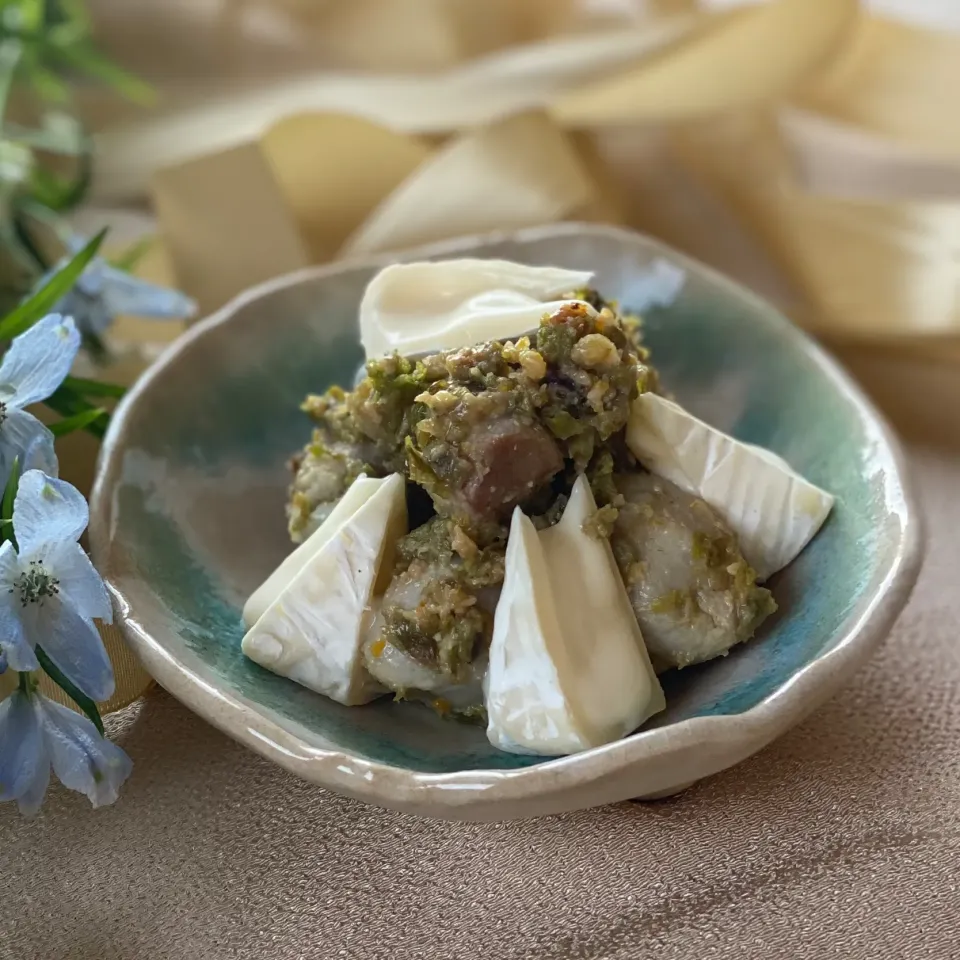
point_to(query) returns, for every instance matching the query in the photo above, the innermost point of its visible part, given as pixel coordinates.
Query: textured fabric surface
(841, 840)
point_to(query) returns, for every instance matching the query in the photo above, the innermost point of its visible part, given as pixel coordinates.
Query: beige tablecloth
(841, 840)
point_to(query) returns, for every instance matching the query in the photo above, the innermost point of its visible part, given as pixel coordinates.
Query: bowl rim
(479, 794)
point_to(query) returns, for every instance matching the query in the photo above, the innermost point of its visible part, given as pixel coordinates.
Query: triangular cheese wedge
(412, 308)
(773, 510)
(357, 494)
(312, 629)
(568, 666)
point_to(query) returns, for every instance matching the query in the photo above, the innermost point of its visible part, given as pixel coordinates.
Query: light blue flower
(50, 592)
(36, 733)
(24, 758)
(30, 371)
(103, 293)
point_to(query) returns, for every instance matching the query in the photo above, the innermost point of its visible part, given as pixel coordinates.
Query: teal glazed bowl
(187, 519)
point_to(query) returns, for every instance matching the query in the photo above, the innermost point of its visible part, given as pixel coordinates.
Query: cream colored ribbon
(854, 174)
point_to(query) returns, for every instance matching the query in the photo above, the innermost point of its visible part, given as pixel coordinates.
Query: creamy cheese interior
(568, 667)
(312, 628)
(413, 308)
(773, 510)
(359, 492)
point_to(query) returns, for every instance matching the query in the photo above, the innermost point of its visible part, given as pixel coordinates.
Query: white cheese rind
(357, 494)
(773, 510)
(312, 632)
(568, 667)
(414, 308)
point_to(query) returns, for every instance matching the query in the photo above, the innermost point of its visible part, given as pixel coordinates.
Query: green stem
(68, 404)
(84, 702)
(22, 233)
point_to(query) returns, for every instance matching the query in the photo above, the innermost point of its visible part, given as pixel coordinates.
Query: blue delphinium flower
(35, 733)
(31, 370)
(103, 293)
(50, 592)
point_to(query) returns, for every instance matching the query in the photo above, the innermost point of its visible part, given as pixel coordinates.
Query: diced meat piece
(481, 454)
(511, 460)
(693, 593)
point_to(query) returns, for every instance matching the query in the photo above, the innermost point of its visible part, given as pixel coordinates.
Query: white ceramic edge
(655, 761)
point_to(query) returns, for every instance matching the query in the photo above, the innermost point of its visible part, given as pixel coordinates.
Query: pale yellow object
(477, 92)
(773, 510)
(831, 158)
(225, 224)
(748, 56)
(316, 611)
(842, 199)
(333, 170)
(516, 173)
(359, 492)
(896, 81)
(446, 31)
(551, 688)
(425, 306)
(863, 270)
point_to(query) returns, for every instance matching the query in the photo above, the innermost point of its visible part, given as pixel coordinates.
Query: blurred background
(809, 148)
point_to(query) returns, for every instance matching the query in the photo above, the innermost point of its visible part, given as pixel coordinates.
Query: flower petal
(31, 799)
(13, 639)
(81, 587)
(23, 435)
(82, 759)
(9, 567)
(124, 293)
(17, 650)
(38, 360)
(74, 645)
(47, 511)
(87, 309)
(24, 767)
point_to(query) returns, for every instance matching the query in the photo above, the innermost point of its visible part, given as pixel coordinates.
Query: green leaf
(31, 15)
(10, 54)
(70, 688)
(68, 21)
(68, 403)
(78, 421)
(6, 503)
(94, 388)
(47, 297)
(25, 239)
(47, 84)
(61, 193)
(85, 57)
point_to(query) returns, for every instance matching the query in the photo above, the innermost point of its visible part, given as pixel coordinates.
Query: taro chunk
(693, 593)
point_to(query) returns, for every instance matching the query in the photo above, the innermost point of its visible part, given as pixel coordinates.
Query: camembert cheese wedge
(412, 308)
(568, 666)
(317, 603)
(358, 493)
(773, 510)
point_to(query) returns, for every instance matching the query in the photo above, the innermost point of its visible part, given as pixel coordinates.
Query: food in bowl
(507, 519)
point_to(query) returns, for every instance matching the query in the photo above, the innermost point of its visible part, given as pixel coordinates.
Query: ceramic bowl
(187, 518)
